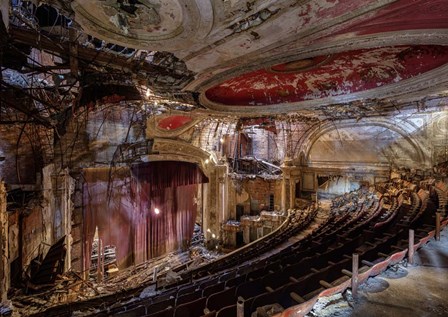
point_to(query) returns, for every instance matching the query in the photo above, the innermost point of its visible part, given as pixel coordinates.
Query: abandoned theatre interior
(216, 157)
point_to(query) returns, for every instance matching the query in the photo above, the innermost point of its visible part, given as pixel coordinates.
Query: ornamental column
(286, 202)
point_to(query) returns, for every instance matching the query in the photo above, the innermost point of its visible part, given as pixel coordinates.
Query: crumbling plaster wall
(337, 186)
(411, 140)
(93, 135)
(366, 150)
(44, 219)
(19, 165)
(275, 144)
(91, 139)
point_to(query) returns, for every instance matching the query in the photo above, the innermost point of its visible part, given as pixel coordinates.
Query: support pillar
(240, 307)
(222, 201)
(4, 246)
(292, 190)
(67, 207)
(438, 220)
(355, 266)
(411, 247)
(283, 198)
(286, 180)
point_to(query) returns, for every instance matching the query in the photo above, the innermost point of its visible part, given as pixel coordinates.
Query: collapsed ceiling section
(50, 66)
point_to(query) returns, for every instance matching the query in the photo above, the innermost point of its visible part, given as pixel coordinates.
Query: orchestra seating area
(371, 222)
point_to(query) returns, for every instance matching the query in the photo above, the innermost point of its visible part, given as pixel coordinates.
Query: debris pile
(71, 287)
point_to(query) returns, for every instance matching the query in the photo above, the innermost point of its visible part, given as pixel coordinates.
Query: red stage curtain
(107, 205)
(122, 205)
(170, 187)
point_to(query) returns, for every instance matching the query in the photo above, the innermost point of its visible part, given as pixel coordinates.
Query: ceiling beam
(32, 113)
(88, 55)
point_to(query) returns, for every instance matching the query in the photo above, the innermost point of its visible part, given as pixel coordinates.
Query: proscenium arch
(173, 150)
(311, 138)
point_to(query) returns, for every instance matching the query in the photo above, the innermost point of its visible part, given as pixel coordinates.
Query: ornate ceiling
(258, 57)
(277, 56)
(328, 76)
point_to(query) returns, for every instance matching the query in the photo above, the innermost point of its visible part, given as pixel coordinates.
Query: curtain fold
(171, 187)
(107, 205)
(123, 209)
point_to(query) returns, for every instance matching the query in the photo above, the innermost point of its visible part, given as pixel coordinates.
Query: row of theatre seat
(374, 228)
(194, 292)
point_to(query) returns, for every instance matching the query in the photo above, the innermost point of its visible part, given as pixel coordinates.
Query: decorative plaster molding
(173, 150)
(153, 130)
(157, 25)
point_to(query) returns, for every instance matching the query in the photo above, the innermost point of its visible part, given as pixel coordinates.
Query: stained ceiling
(329, 75)
(248, 58)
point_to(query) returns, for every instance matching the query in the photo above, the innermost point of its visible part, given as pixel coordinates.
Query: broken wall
(42, 221)
(93, 135)
(20, 153)
(336, 186)
(271, 143)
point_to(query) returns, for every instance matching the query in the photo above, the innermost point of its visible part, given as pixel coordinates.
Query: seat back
(191, 309)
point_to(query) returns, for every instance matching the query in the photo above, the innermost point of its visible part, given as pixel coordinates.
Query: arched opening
(342, 158)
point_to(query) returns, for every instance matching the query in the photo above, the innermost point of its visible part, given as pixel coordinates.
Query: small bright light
(148, 93)
(156, 211)
(221, 140)
(208, 230)
(206, 161)
(213, 235)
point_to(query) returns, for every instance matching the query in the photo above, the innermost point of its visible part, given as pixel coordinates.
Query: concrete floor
(417, 290)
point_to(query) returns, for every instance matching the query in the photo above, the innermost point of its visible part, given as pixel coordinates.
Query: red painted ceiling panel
(173, 122)
(405, 15)
(325, 76)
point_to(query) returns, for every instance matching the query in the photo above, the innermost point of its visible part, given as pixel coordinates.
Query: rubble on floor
(71, 287)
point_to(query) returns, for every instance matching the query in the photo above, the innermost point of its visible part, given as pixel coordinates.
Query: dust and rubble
(72, 287)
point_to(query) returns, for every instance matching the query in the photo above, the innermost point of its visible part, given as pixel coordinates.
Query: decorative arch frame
(404, 128)
(173, 150)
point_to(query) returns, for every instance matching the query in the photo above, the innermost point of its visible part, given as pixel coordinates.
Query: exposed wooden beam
(85, 54)
(32, 113)
(73, 52)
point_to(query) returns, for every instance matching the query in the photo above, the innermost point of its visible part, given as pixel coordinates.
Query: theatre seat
(191, 309)
(169, 312)
(228, 311)
(135, 312)
(221, 299)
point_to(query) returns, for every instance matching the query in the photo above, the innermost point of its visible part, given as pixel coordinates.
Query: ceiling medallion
(155, 24)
